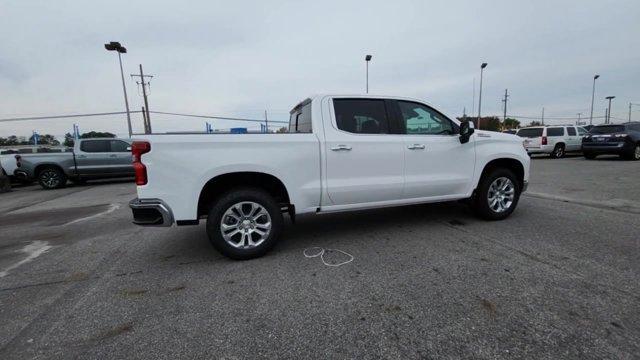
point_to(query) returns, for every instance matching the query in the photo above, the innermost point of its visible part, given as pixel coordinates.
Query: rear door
(436, 163)
(120, 158)
(93, 157)
(364, 161)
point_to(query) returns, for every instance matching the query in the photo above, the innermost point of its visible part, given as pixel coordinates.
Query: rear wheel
(244, 223)
(558, 151)
(52, 178)
(497, 194)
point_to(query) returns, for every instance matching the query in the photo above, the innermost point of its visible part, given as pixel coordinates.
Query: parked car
(619, 139)
(510, 131)
(342, 153)
(555, 140)
(89, 159)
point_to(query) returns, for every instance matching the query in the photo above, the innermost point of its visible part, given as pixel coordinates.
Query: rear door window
(556, 131)
(95, 146)
(571, 131)
(300, 118)
(530, 133)
(361, 116)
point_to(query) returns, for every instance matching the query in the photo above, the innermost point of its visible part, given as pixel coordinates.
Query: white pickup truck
(342, 153)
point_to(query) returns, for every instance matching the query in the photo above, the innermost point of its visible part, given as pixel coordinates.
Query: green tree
(510, 123)
(68, 140)
(535, 123)
(45, 139)
(489, 123)
(97, 134)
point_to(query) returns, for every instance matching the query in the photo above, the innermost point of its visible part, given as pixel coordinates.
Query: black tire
(589, 156)
(634, 154)
(558, 151)
(52, 178)
(480, 200)
(231, 198)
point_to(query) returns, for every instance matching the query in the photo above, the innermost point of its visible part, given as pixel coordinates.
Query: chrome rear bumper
(151, 212)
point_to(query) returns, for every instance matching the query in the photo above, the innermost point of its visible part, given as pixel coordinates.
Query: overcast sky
(242, 57)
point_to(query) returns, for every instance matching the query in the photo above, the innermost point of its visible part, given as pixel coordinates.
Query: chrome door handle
(416, 147)
(81, 156)
(341, 148)
(112, 156)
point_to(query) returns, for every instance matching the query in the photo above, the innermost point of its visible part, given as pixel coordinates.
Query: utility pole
(609, 111)
(506, 95)
(542, 115)
(266, 120)
(579, 123)
(144, 94)
(473, 103)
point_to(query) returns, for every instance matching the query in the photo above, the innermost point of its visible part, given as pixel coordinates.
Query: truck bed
(179, 166)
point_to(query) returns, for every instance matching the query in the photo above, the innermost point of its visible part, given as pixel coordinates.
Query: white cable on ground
(318, 251)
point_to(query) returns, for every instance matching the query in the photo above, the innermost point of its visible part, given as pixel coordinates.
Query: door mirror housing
(466, 130)
(128, 148)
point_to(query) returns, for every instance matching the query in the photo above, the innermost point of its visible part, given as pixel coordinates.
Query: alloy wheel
(501, 194)
(245, 225)
(50, 178)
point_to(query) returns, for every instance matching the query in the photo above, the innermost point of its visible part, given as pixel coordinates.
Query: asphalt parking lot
(558, 279)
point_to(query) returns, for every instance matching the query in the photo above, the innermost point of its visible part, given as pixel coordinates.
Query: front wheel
(52, 178)
(634, 154)
(244, 223)
(497, 194)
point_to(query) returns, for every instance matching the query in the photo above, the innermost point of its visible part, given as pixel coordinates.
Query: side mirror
(128, 148)
(466, 130)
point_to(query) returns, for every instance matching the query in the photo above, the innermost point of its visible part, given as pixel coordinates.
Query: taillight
(18, 158)
(544, 140)
(138, 148)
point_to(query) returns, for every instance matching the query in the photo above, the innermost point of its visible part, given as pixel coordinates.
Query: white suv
(555, 140)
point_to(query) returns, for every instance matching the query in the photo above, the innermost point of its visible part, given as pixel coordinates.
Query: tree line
(48, 139)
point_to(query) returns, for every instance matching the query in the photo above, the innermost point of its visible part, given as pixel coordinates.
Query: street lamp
(593, 93)
(115, 46)
(630, 104)
(367, 59)
(608, 120)
(484, 65)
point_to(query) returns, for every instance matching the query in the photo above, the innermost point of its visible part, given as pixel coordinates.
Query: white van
(555, 140)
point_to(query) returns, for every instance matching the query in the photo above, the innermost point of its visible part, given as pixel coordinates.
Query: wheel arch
(220, 184)
(512, 164)
(41, 167)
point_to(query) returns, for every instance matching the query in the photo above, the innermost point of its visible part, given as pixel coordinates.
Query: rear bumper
(21, 174)
(614, 148)
(151, 212)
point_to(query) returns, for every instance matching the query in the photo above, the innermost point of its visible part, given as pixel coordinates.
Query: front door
(364, 162)
(436, 163)
(120, 158)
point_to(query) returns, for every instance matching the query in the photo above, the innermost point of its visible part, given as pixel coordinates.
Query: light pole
(366, 60)
(484, 65)
(608, 120)
(115, 46)
(630, 104)
(593, 93)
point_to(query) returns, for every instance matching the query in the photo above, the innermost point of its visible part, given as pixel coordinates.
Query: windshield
(606, 129)
(530, 133)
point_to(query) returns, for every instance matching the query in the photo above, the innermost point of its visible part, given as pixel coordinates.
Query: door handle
(81, 156)
(112, 156)
(416, 147)
(341, 148)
